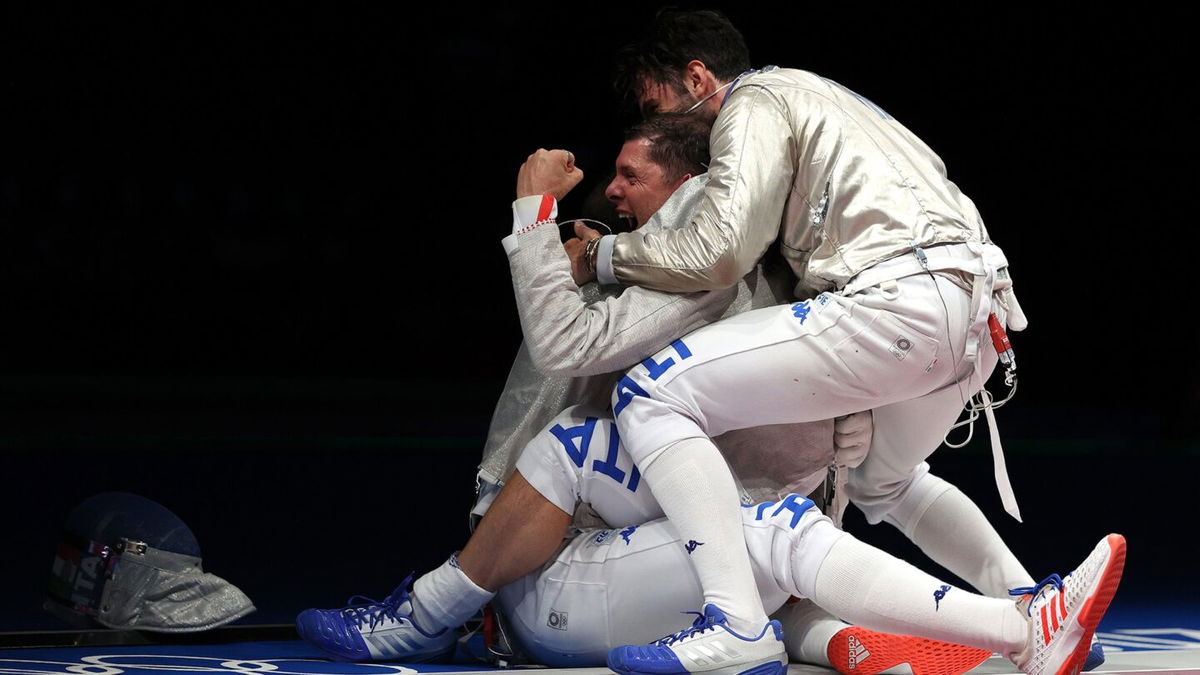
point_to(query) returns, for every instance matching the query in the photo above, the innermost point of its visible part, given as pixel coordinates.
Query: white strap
(971, 258)
(999, 468)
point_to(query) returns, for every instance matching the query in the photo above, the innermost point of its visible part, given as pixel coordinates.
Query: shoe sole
(768, 668)
(923, 656)
(1094, 607)
(341, 657)
(773, 667)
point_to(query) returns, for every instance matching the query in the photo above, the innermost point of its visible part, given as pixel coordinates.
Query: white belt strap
(983, 286)
(999, 468)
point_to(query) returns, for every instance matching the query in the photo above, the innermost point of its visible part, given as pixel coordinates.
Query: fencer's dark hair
(675, 38)
(679, 143)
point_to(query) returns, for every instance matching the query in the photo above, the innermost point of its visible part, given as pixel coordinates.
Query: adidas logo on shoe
(858, 652)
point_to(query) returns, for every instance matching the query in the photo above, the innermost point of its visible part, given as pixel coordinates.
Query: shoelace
(701, 624)
(363, 610)
(1034, 591)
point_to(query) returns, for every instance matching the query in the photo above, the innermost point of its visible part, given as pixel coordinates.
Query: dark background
(252, 270)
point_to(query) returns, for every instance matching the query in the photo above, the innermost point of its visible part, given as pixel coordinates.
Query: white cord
(586, 220)
(974, 407)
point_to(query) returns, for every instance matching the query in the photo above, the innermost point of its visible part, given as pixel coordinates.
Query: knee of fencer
(545, 462)
(786, 540)
(899, 502)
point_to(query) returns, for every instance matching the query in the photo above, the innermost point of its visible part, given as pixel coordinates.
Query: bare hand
(575, 250)
(548, 172)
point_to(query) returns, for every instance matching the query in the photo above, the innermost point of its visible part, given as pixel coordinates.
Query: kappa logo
(557, 620)
(692, 544)
(627, 532)
(900, 347)
(800, 310)
(857, 652)
(938, 596)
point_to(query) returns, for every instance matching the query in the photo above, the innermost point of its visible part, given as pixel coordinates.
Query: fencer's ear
(682, 179)
(697, 78)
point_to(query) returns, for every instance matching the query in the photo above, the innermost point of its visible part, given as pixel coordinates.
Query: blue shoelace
(1033, 591)
(361, 609)
(701, 624)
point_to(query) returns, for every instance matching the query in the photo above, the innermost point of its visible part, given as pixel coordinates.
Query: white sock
(950, 529)
(807, 630)
(696, 491)
(446, 597)
(868, 587)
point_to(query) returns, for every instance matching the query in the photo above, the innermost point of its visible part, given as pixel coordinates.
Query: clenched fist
(548, 172)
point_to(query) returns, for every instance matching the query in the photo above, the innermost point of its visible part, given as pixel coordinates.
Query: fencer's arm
(753, 163)
(566, 336)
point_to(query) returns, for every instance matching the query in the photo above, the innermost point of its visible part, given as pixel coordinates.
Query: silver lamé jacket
(799, 158)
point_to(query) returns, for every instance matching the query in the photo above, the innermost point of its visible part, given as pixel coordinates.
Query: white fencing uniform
(885, 348)
(852, 199)
(628, 584)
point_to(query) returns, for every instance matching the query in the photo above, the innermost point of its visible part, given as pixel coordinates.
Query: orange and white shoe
(858, 651)
(1064, 613)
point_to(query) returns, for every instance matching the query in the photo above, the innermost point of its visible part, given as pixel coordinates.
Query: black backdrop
(252, 265)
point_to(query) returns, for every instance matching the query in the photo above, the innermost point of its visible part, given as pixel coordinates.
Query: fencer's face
(696, 91)
(658, 97)
(640, 186)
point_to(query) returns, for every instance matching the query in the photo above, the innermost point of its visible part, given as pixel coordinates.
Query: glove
(852, 438)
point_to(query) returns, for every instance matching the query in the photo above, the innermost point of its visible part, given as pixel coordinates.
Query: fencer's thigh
(809, 361)
(579, 457)
(606, 588)
(905, 434)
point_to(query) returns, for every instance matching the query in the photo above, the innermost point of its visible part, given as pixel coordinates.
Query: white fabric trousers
(898, 349)
(628, 584)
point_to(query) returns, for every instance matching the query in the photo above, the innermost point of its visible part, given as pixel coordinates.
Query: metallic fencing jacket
(801, 159)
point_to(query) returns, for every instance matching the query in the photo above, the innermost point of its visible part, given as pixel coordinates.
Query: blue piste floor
(1147, 636)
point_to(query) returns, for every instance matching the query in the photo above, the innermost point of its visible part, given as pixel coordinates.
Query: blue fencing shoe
(1095, 657)
(369, 630)
(709, 646)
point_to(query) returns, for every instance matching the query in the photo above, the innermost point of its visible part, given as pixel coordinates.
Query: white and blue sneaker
(710, 646)
(369, 630)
